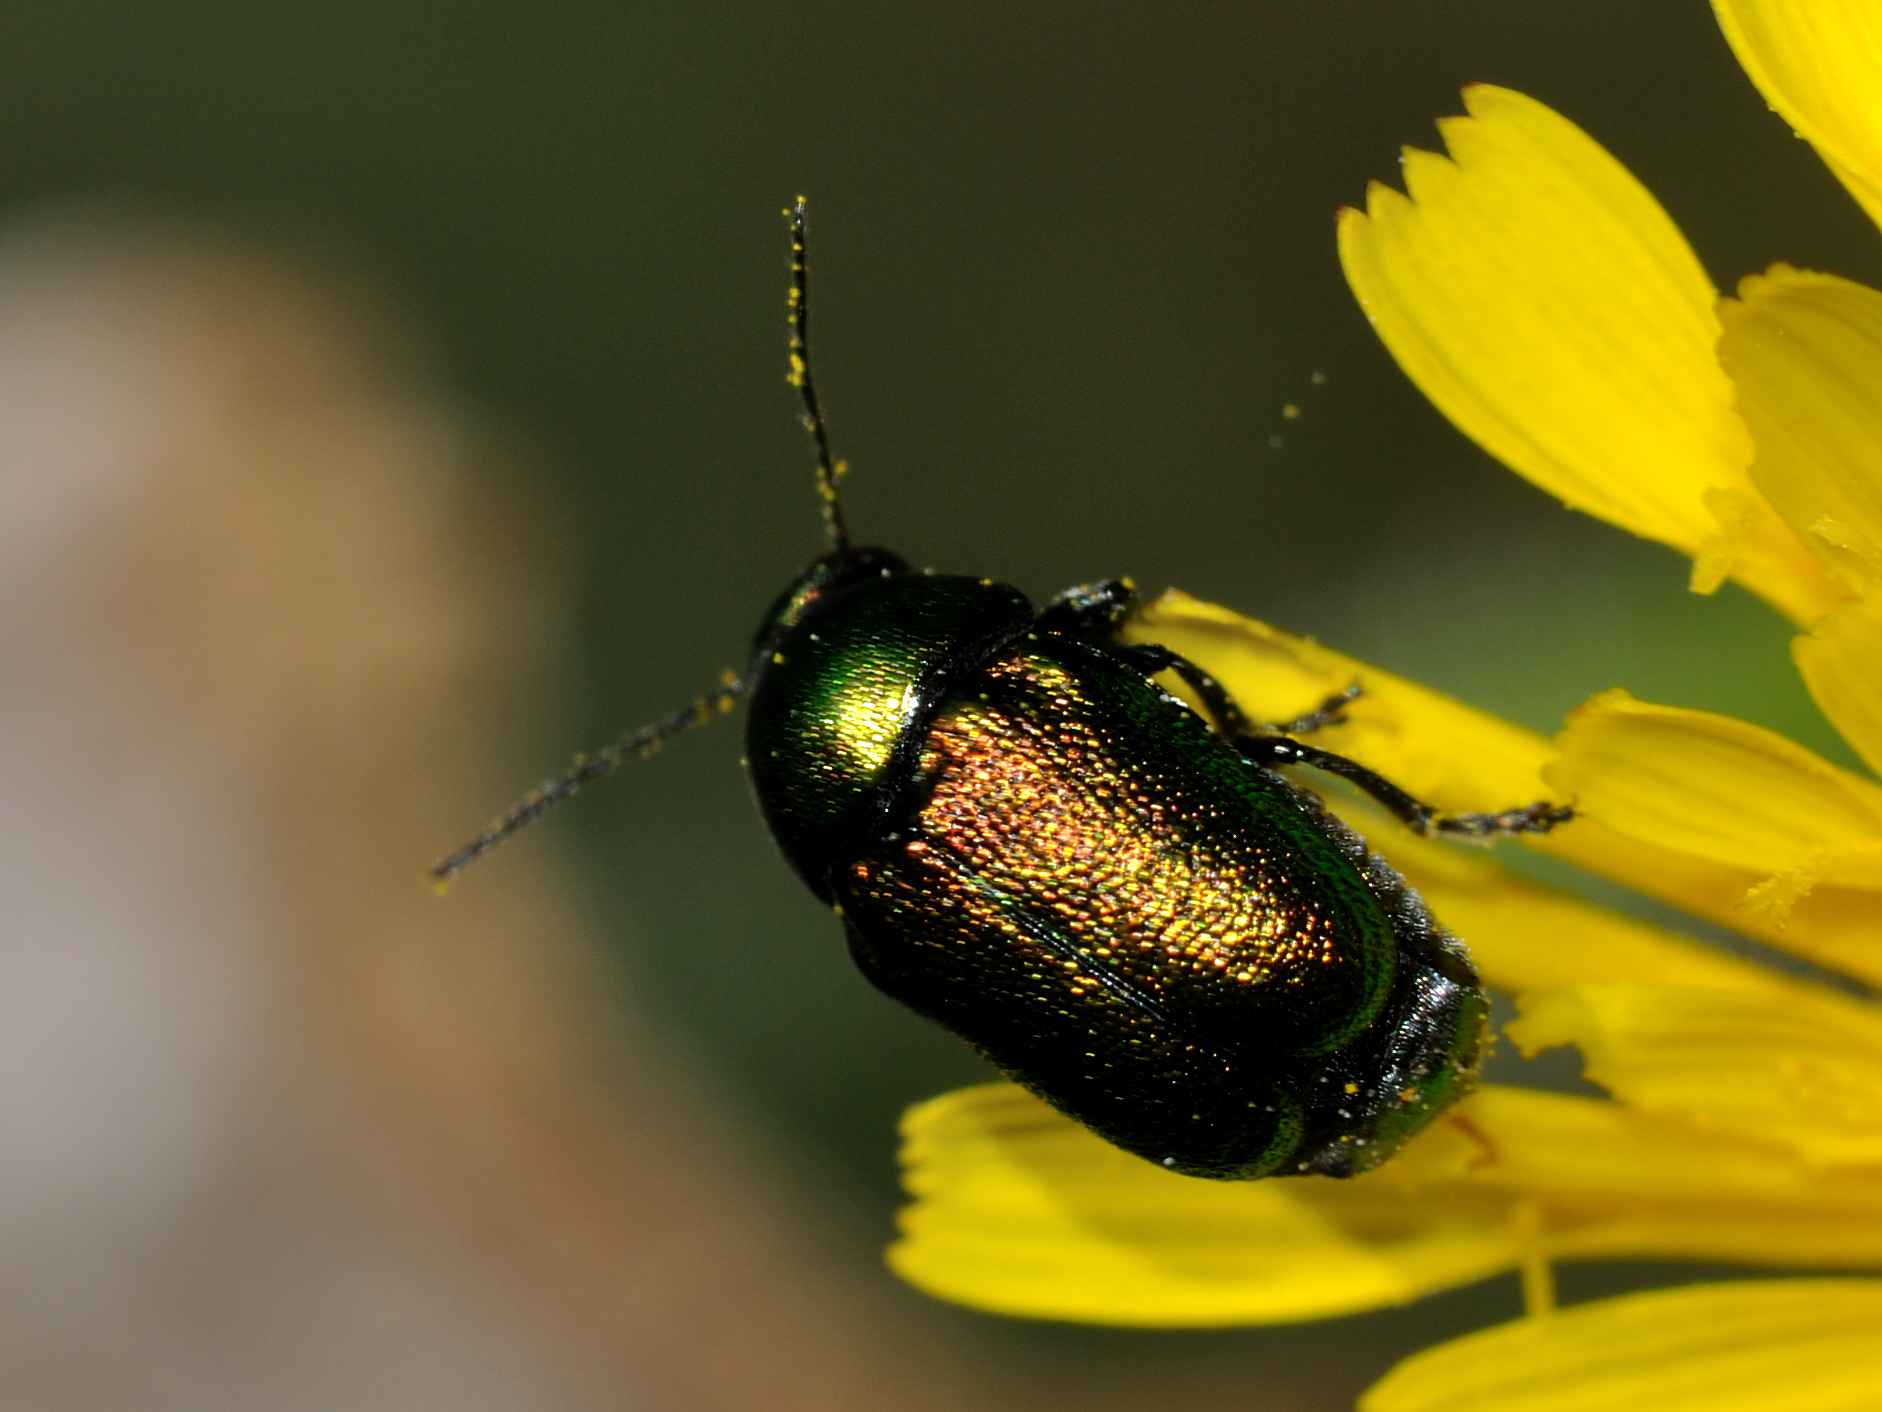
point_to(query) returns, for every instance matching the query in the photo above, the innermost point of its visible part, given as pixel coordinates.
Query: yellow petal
(1760, 1346)
(1829, 924)
(1458, 758)
(1512, 925)
(1841, 662)
(1543, 301)
(1606, 1182)
(1820, 66)
(1019, 1211)
(1799, 1065)
(1514, 928)
(1723, 792)
(1805, 354)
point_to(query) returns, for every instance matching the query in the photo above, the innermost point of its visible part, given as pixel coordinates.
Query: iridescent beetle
(1122, 904)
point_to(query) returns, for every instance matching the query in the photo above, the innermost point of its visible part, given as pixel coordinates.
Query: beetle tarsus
(1330, 712)
(1540, 817)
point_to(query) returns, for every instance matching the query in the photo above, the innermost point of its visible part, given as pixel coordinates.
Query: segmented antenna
(637, 745)
(829, 472)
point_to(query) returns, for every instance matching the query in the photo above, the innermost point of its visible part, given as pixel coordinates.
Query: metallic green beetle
(1122, 904)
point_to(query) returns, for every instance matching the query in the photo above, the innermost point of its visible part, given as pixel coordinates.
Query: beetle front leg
(1276, 750)
(1330, 712)
(1094, 611)
(1230, 719)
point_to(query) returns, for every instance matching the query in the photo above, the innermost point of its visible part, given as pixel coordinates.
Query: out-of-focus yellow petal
(1723, 792)
(1543, 301)
(1801, 1067)
(1841, 662)
(1759, 1346)
(1820, 66)
(1019, 1211)
(1804, 351)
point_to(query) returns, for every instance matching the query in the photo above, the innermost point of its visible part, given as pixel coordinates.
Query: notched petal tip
(1467, 280)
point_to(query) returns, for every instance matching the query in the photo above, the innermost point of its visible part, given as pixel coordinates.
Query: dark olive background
(1071, 261)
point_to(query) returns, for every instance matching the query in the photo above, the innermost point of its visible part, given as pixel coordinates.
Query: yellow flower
(1548, 306)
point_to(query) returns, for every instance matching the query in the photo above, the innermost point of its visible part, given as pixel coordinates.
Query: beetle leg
(1098, 610)
(1230, 719)
(1540, 817)
(1151, 658)
(1330, 712)
(1089, 610)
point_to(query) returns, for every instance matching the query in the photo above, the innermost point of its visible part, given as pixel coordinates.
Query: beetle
(1119, 900)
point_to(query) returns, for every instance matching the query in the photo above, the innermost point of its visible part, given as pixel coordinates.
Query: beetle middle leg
(1277, 750)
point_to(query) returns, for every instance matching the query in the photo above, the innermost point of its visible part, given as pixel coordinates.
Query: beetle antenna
(636, 745)
(829, 472)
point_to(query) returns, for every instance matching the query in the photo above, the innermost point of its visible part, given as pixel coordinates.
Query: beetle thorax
(844, 690)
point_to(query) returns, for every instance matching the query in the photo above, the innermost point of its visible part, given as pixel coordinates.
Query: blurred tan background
(391, 402)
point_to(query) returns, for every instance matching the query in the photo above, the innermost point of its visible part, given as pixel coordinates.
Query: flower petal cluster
(1547, 305)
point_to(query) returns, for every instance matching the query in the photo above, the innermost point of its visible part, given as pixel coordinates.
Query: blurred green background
(1071, 262)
